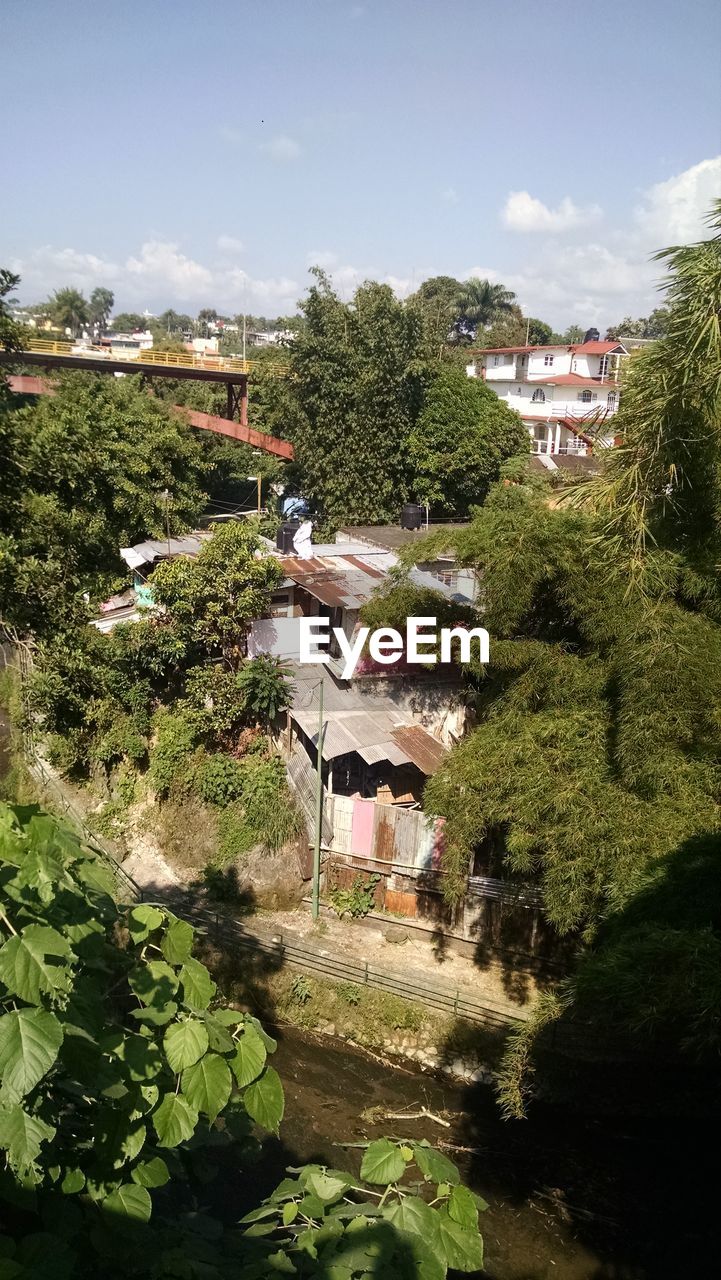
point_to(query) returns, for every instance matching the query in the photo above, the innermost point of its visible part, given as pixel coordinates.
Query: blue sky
(189, 155)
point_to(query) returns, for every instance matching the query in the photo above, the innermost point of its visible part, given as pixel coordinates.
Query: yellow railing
(169, 359)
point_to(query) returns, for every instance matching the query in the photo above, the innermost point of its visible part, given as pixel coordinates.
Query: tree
(85, 472)
(480, 303)
(69, 309)
(128, 322)
(574, 333)
(437, 299)
(211, 601)
(125, 1075)
(595, 769)
(653, 326)
(100, 307)
(354, 396)
(462, 436)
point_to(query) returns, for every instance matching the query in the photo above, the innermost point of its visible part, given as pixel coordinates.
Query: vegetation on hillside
(595, 769)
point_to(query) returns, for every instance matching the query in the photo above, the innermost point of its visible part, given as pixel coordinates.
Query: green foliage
(212, 599)
(219, 779)
(170, 758)
(300, 990)
(84, 470)
(69, 310)
(356, 392)
(358, 899)
(595, 769)
(108, 1055)
(462, 436)
(312, 1225)
(265, 685)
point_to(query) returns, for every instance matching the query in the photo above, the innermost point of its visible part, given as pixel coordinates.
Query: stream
(569, 1198)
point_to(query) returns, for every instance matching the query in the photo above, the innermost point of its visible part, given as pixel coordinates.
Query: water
(569, 1199)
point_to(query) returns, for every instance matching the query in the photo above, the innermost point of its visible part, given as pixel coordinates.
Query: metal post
(318, 811)
(244, 402)
(259, 484)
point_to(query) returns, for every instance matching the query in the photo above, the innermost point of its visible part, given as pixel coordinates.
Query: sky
(189, 155)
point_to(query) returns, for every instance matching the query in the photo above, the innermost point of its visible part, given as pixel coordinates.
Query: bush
(358, 900)
(170, 759)
(219, 780)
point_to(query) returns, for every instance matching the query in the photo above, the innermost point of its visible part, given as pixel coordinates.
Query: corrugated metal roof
(424, 751)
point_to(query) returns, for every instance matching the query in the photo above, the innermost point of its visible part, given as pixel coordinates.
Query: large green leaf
(144, 920)
(141, 1056)
(178, 941)
(264, 1100)
(249, 1057)
(35, 962)
(434, 1165)
(382, 1163)
(22, 1135)
(154, 983)
(174, 1120)
(463, 1207)
(184, 1043)
(129, 1201)
(219, 1038)
(463, 1249)
(151, 1173)
(198, 986)
(29, 1043)
(207, 1085)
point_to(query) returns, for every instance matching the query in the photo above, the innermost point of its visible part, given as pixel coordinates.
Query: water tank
(411, 516)
(285, 536)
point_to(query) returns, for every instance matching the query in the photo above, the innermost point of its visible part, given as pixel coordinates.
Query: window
(603, 367)
(587, 396)
(496, 360)
(539, 397)
(548, 360)
(611, 399)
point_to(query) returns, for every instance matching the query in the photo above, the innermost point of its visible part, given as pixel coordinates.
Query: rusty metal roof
(423, 750)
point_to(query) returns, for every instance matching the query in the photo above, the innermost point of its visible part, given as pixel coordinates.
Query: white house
(566, 395)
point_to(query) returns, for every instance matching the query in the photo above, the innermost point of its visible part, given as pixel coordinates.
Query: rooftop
(392, 537)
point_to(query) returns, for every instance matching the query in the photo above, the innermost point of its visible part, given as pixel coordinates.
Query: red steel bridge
(232, 372)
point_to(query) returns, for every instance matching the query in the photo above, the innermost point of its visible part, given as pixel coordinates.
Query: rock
(458, 1067)
(396, 933)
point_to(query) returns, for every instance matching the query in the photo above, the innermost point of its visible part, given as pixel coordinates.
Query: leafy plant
(357, 900)
(113, 1054)
(300, 990)
(266, 687)
(314, 1225)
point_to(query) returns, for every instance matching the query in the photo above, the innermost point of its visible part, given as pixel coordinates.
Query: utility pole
(243, 335)
(318, 810)
(528, 328)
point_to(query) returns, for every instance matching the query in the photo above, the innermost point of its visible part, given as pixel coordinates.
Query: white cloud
(161, 262)
(449, 195)
(229, 244)
(524, 212)
(673, 212)
(282, 148)
(159, 275)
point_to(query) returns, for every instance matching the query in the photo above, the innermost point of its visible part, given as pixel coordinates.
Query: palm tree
(480, 303)
(101, 305)
(70, 310)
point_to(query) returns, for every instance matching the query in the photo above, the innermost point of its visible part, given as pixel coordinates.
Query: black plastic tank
(411, 516)
(286, 533)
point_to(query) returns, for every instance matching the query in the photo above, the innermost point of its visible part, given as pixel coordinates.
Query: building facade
(566, 395)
